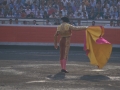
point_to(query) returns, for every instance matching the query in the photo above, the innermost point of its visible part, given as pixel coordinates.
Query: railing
(53, 20)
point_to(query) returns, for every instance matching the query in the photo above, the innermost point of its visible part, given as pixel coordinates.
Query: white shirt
(81, 8)
(10, 16)
(114, 17)
(85, 17)
(64, 2)
(112, 8)
(118, 3)
(99, 18)
(64, 12)
(35, 11)
(78, 16)
(27, 11)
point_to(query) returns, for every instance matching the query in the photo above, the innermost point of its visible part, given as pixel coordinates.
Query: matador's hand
(56, 46)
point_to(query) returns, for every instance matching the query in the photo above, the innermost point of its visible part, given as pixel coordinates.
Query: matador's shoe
(64, 71)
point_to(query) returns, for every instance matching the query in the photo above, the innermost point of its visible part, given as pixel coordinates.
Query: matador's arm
(77, 28)
(55, 39)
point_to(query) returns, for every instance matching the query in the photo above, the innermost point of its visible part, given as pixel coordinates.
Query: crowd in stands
(83, 9)
(74, 9)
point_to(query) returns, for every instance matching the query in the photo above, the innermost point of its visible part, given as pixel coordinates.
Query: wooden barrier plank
(46, 34)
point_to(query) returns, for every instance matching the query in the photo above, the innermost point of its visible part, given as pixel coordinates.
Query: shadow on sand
(94, 78)
(58, 76)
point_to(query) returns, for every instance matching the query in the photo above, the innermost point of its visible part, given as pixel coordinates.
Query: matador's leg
(64, 49)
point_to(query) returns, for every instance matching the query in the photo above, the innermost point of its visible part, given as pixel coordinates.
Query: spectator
(64, 2)
(23, 2)
(30, 1)
(16, 21)
(42, 10)
(60, 14)
(4, 2)
(118, 3)
(71, 15)
(107, 15)
(88, 8)
(114, 17)
(74, 7)
(28, 10)
(93, 23)
(118, 17)
(28, 4)
(111, 24)
(23, 14)
(114, 13)
(83, 12)
(53, 15)
(118, 23)
(3, 22)
(118, 8)
(57, 13)
(82, 7)
(57, 22)
(51, 10)
(47, 22)
(98, 9)
(79, 15)
(35, 10)
(61, 6)
(78, 23)
(31, 15)
(106, 4)
(5, 10)
(17, 4)
(72, 22)
(64, 12)
(21, 9)
(76, 12)
(11, 5)
(45, 15)
(86, 2)
(106, 11)
(112, 8)
(14, 8)
(102, 1)
(34, 22)
(10, 21)
(70, 10)
(34, 5)
(93, 3)
(84, 16)
(98, 17)
(72, 2)
(25, 22)
(39, 15)
(68, 5)
(92, 16)
(1, 14)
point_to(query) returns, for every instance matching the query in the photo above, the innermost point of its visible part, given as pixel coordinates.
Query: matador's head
(65, 19)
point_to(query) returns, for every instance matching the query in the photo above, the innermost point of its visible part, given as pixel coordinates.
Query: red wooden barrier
(45, 34)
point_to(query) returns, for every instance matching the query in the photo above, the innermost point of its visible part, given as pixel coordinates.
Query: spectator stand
(54, 21)
(101, 11)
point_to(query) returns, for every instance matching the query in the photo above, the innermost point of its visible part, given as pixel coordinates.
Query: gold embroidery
(67, 46)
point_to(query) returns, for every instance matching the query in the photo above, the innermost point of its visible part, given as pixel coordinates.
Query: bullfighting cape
(97, 48)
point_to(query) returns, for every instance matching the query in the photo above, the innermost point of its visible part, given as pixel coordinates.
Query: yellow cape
(98, 49)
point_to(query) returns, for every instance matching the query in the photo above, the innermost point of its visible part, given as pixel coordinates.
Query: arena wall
(37, 35)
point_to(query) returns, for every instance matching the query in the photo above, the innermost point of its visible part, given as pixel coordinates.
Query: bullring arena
(28, 59)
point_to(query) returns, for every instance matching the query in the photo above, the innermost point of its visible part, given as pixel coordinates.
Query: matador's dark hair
(65, 19)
